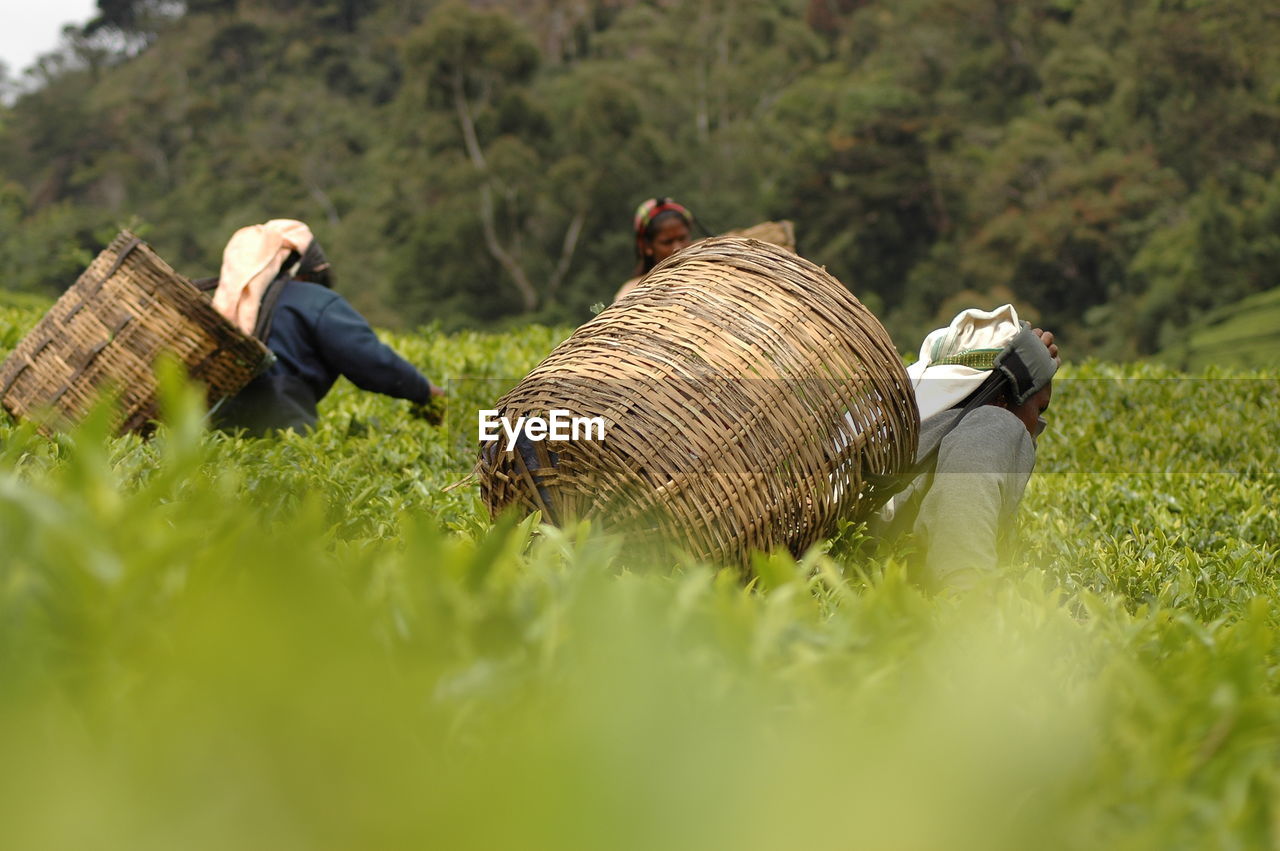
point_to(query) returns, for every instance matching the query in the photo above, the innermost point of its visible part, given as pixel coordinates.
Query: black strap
(1027, 364)
(886, 487)
(267, 308)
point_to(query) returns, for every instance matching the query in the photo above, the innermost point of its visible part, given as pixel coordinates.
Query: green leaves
(310, 632)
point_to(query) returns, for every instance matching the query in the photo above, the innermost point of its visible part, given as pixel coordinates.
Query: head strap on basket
(1026, 364)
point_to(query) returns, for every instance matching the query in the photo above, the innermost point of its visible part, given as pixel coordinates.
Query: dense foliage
(208, 642)
(1110, 166)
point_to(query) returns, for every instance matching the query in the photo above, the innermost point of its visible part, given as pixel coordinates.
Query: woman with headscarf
(662, 227)
(275, 285)
(982, 385)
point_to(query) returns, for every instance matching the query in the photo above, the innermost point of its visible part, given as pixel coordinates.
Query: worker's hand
(1046, 337)
(433, 409)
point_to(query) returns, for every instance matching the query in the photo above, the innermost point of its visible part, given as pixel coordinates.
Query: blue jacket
(317, 336)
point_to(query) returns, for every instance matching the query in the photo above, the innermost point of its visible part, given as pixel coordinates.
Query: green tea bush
(306, 642)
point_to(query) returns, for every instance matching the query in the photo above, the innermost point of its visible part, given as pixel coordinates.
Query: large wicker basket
(106, 332)
(749, 401)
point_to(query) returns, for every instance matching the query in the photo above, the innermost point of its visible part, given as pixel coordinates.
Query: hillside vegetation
(1244, 334)
(1111, 167)
(306, 643)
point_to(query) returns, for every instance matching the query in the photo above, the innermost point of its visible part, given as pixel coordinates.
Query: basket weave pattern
(781, 233)
(106, 332)
(746, 394)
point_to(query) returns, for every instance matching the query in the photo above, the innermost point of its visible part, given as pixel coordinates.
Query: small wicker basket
(106, 332)
(749, 401)
(781, 233)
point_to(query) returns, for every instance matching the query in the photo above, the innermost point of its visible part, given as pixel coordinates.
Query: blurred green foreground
(304, 643)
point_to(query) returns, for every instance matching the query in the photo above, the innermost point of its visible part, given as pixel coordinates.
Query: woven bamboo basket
(781, 233)
(106, 332)
(748, 399)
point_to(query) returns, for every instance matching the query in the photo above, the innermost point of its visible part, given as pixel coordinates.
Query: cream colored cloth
(250, 262)
(939, 386)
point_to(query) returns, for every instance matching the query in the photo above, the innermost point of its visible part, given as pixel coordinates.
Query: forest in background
(1109, 166)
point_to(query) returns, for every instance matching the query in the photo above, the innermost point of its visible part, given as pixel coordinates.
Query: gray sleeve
(982, 470)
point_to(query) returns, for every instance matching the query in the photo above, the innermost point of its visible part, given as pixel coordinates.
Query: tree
(476, 63)
(1109, 165)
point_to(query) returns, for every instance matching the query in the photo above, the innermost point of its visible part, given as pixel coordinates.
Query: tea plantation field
(1244, 334)
(306, 643)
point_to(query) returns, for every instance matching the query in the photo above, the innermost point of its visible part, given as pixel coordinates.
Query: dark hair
(314, 266)
(645, 262)
(310, 265)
